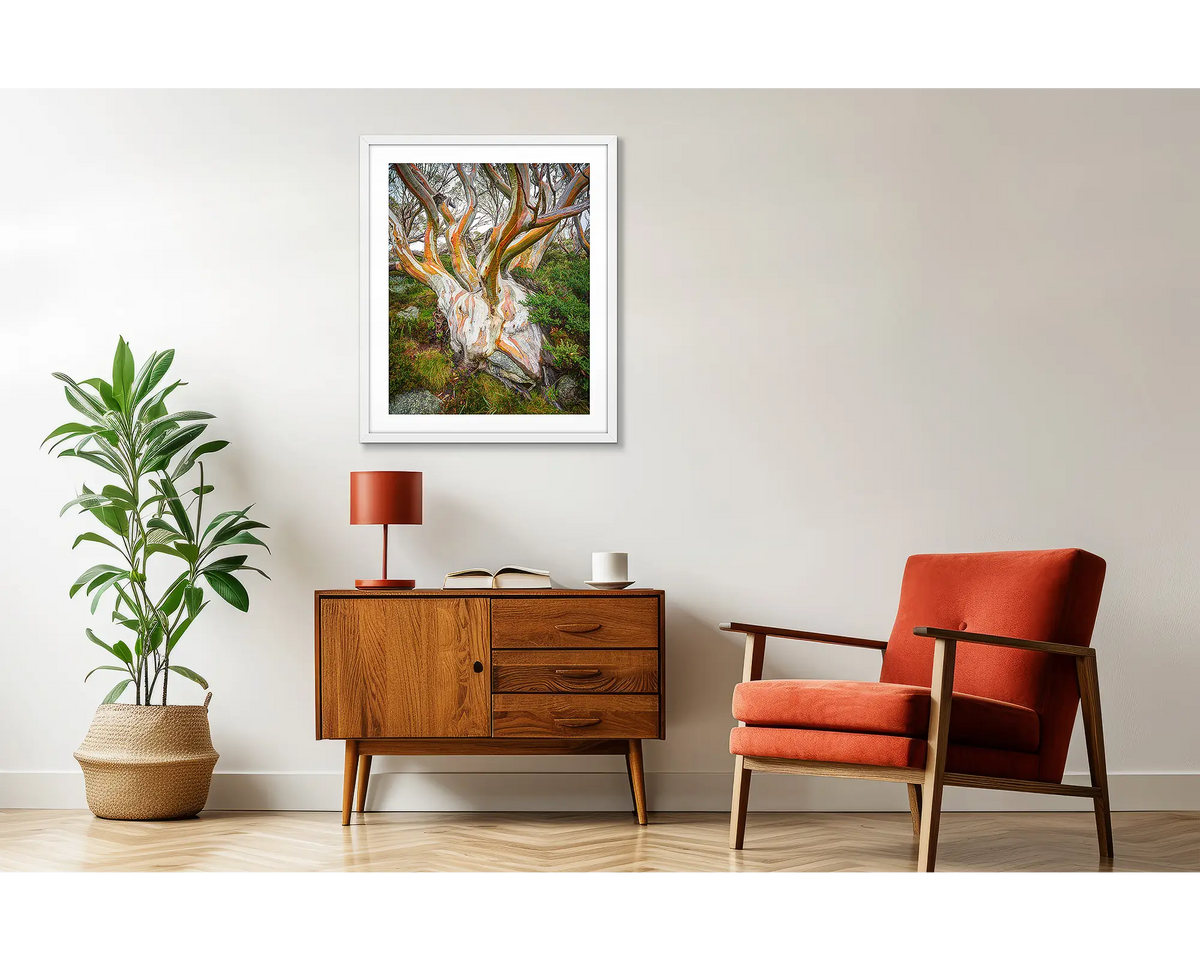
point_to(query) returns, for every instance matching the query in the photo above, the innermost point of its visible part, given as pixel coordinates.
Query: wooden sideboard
(436, 672)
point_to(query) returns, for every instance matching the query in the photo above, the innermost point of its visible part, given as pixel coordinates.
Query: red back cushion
(1047, 595)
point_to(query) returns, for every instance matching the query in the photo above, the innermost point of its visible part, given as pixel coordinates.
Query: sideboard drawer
(588, 716)
(575, 622)
(575, 671)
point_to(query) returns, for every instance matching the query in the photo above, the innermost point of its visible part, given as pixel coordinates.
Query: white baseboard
(600, 791)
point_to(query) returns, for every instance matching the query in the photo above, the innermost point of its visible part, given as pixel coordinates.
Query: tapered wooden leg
(741, 797)
(1093, 730)
(364, 776)
(940, 693)
(914, 807)
(348, 779)
(632, 792)
(637, 779)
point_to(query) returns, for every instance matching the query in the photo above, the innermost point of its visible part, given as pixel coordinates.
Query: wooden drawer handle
(577, 721)
(577, 627)
(578, 674)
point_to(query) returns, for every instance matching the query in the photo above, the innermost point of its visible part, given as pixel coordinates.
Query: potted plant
(145, 760)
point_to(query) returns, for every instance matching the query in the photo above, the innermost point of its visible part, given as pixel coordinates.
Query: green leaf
(119, 495)
(153, 370)
(219, 519)
(103, 579)
(105, 391)
(261, 573)
(90, 574)
(153, 548)
(209, 446)
(156, 635)
(192, 597)
(190, 674)
(115, 693)
(205, 490)
(124, 596)
(69, 429)
(174, 596)
(189, 551)
(105, 667)
(178, 417)
(112, 517)
(122, 651)
(161, 451)
(177, 510)
(245, 538)
(93, 538)
(222, 536)
(229, 589)
(154, 407)
(98, 642)
(159, 535)
(226, 564)
(123, 374)
(100, 593)
(91, 407)
(96, 458)
(86, 500)
(85, 408)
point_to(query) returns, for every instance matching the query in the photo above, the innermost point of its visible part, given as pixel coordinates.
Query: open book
(506, 578)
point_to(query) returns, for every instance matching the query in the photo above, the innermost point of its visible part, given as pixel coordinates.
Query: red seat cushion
(891, 709)
(835, 746)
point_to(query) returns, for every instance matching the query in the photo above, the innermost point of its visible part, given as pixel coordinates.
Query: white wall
(854, 326)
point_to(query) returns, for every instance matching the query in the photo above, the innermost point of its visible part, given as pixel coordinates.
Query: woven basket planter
(147, 763)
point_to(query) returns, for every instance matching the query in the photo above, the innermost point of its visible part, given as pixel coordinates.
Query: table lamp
(385, 496)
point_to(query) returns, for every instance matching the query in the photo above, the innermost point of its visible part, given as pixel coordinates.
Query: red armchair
(986, 664)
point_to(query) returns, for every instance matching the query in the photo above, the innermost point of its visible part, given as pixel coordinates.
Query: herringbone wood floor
(224, 841)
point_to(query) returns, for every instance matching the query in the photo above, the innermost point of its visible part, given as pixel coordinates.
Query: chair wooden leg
(348, 779)
(935, 752)
(638, 777)
(1093, 729)
(741, 797)
(364, 777)
(914, 807)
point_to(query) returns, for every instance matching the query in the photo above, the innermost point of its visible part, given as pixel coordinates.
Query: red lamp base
(385, 584)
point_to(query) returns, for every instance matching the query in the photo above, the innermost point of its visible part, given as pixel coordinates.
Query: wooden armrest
(1067, 649)
(753, 628)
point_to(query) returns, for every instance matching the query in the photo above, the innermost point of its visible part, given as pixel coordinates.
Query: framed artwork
(488, 289)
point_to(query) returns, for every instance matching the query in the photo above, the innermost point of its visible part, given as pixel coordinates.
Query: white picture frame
(376, 423)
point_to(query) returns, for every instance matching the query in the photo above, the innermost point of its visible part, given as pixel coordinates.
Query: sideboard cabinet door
(394, 667)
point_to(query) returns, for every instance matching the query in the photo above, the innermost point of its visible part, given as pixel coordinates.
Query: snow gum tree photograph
(489, 275)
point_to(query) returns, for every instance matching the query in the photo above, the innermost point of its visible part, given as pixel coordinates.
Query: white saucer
(609, 584)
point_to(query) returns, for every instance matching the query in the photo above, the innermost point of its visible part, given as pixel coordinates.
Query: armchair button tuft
(963, 625)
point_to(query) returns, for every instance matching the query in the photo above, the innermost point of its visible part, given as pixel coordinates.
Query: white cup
(610, 567)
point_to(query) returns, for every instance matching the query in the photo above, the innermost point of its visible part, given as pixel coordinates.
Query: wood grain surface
(394, 667)
(576, 621)
(492, 593)
(574, 715)
(489, 746)
(574, 671)
(221, 841)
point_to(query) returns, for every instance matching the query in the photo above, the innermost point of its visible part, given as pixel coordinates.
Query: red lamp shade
(385, 497)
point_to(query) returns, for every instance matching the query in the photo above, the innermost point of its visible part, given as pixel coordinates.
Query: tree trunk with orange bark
(483, 305)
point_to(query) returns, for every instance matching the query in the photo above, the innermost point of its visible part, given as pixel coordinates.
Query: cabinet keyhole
(478, 667)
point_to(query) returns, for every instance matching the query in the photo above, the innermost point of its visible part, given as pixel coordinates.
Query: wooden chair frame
(925, 784)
